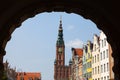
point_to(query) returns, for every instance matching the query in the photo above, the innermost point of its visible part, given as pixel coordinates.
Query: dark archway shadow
(97, 11)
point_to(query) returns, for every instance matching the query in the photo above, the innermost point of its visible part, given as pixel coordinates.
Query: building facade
(76, 68)
(84, 62)
(61, 71)
(102, 61)
(106, 60)
(28, 76)
(87, 61)
(96, 58)
(111, 63)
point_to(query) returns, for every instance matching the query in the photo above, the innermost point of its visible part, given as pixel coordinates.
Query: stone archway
(100, 12)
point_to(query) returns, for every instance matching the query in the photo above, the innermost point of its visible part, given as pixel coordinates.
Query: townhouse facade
(102, 61)
(96, 58)
(84, 62)
(106, 60)
(87, 61)
(99, 66)
(76, 67)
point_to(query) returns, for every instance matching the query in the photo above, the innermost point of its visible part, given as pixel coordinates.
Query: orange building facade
(28, 76)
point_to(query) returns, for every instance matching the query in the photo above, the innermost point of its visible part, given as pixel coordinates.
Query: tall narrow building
(96, 58)
(87, 60)
(61, 71)
(106, 60)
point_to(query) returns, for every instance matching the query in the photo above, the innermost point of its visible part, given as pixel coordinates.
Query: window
(59, 62)
(101, 68)
(107, 67)
(104, 68)
(95, 58)
(107, 53)
(59, 57)
(102, 43)
(95, 47)
(104, 78)
(101, 55)
(95, 70)
(107, 77)
(98, 69)
(98, 57)
(101, 78)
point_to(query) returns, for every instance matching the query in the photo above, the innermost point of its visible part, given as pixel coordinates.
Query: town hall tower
(61, 71)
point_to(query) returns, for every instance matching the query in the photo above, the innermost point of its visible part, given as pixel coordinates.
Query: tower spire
(60, 40)
(60, 19)
(60, 27)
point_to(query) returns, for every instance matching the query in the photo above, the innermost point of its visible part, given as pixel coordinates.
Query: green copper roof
(60, 40)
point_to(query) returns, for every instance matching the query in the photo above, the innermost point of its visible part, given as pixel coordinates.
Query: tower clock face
(60, 50)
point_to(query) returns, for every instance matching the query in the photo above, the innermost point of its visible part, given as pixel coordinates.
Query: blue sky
(33, 45)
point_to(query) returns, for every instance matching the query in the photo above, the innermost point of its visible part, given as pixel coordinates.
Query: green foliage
(4, 76)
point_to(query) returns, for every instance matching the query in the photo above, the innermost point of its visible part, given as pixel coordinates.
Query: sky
(32, 47)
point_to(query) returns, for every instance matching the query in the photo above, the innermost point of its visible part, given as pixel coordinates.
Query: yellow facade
(89, 59)
(89, 70)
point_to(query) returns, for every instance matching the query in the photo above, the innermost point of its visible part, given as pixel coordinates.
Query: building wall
(104, 57)
(77, 63)
(80, 68)
(105, 63)
(87, 65)
(102, 61)
(84, 69)
(28, 76)
(96, 58)
(111, 63)
(75, 68)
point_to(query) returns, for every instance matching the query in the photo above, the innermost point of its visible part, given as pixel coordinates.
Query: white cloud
(74, 43)
(70, 27)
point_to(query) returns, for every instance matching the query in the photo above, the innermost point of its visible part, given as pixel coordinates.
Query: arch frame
(100, 12)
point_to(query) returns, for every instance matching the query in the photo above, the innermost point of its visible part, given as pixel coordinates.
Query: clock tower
(61, 71)
(60, 52)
